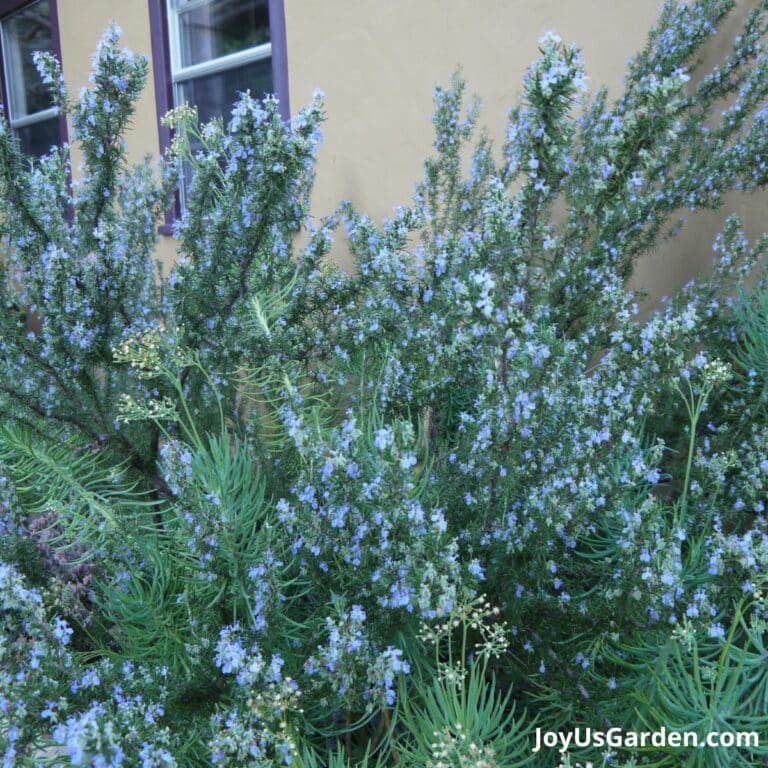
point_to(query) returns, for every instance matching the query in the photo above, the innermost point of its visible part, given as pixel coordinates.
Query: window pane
(27, 31)
(215, 94)
(220, 27)
(38, 138)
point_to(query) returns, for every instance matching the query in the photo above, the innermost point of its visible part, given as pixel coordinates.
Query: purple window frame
(161, 69)
(8, 7)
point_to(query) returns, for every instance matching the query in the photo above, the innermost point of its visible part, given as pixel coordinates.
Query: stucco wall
(81, 24)
(378, 60)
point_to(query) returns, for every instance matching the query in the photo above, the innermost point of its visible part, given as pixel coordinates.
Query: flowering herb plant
(248, 509)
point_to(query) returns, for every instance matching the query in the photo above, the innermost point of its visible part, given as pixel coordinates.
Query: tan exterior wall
(378, 60)
(81, 24)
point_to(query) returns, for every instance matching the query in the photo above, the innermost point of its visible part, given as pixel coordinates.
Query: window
(218, 48)
(25, 28)
(205, 52)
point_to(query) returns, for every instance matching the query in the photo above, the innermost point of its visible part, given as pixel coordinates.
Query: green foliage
(691, 685)
(97, 504)
(460, 718)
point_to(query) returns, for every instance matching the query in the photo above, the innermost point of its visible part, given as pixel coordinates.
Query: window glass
(215, 94)
(208, 30)
(38, 137)
(27, 31)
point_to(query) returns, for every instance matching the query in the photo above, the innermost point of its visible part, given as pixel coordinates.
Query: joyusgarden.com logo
(616, 738)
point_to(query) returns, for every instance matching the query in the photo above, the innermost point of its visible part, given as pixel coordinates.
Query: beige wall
(81, 24)
(378, 60)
